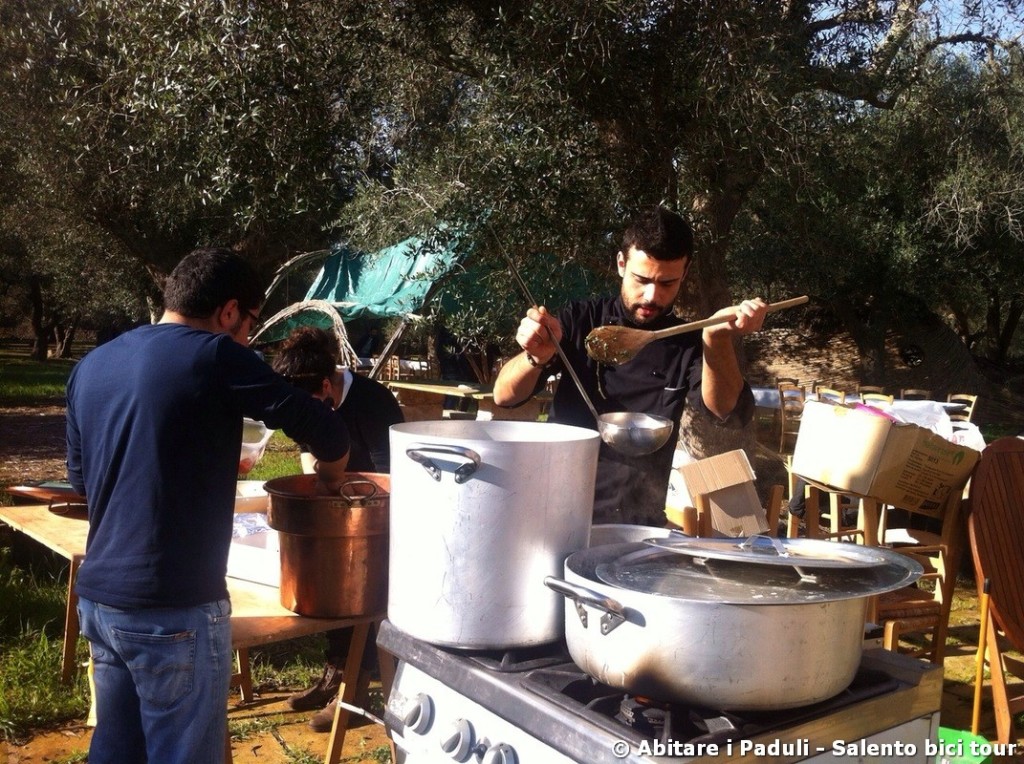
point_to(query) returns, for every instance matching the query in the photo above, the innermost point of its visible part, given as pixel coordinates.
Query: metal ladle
(627, 432)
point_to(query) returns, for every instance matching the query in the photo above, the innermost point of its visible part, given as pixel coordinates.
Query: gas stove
(536, 706)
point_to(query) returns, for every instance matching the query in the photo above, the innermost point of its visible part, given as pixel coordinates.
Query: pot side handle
(418, 453)
(614, 612)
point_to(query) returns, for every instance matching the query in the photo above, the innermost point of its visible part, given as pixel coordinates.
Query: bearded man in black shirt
(691, 369)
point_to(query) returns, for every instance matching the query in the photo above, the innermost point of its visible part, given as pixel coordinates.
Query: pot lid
(666, 573)
(767, 550)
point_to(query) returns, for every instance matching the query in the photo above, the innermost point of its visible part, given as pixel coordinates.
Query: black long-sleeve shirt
(662, 379)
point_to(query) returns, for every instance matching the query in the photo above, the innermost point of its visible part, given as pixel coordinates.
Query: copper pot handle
(358, 497)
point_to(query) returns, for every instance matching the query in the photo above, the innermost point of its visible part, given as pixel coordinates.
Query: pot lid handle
(773, 545)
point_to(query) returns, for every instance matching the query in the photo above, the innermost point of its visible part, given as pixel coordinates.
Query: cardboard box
(869, 454)
(256, 557)
(726, 481)
(251, 496)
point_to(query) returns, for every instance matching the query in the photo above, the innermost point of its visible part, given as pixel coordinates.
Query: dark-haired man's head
(217, 287)
(657, 249)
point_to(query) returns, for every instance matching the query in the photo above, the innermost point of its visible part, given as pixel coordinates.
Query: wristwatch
(535, 363)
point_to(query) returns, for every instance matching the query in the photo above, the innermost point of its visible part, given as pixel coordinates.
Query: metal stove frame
(498, 707)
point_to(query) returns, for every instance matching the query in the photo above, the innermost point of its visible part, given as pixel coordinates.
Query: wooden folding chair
(967, 401)
(791, 408)
(925, 609)
(878, 400)
(996, 531)
(861, 389)
(915, 394)
(830, 395)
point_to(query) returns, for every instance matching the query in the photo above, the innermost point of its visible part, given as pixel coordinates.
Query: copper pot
(334, 549)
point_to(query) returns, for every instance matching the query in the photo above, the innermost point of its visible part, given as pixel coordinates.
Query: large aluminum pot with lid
(481, 512)
(729, 624)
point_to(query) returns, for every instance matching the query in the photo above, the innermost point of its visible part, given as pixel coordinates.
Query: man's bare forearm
(721, 380)
(516, 381)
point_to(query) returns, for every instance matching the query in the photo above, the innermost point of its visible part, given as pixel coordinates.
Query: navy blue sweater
(154, 430)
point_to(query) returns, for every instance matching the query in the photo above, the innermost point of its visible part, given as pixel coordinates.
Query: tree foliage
(180, 123)
(566, 117)
(538, 126)
(913, 210)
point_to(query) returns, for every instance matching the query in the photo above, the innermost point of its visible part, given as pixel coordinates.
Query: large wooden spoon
(618, 344)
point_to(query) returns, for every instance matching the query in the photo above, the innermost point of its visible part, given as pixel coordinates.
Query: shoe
(321, 693)
(323, 720)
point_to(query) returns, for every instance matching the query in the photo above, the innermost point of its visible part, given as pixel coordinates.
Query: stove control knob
(418, 713)
(502, 753)
(459, 741)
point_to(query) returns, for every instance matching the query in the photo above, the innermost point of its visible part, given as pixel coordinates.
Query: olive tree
(183, 122)
(891, 215)
(562, 118)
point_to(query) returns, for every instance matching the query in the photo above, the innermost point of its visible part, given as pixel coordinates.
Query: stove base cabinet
(891, 745)
(456, 729)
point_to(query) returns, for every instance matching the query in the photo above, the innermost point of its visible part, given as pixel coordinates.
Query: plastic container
(255, 437)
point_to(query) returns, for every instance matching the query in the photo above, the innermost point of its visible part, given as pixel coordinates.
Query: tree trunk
(40, 332)
(1004, 338)
(64, 337)
(715, 213)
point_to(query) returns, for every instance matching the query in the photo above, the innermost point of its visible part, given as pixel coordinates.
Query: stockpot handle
(614, 612)
(418, 453)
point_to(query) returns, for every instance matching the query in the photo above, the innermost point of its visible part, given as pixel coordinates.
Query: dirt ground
(31, 444)
(288, 740)
(32, 447)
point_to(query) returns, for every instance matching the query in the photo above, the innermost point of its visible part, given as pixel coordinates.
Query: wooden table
(46, 492)
(257, 616)
(483, 394)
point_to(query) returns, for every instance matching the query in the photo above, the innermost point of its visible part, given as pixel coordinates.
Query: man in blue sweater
(154, 429)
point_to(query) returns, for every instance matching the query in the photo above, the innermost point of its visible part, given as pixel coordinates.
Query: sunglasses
(254, 322)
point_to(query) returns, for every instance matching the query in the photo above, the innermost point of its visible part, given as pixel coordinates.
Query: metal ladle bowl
(634, 434)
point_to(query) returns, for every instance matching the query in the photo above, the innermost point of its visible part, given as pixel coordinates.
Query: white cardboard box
(251, 496)
(727, 480)
(256, 557)
(868, 454)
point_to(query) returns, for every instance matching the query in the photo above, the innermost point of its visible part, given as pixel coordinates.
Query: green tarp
(395, 281)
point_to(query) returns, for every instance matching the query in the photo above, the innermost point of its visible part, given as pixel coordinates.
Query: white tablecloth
(768, 397)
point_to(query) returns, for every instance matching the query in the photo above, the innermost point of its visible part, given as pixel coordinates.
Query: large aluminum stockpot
(481, 512)
(722, 633)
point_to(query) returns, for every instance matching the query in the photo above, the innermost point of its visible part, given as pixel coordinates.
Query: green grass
(24, 382)
(31, 626)
(280, 458)
(73, 758)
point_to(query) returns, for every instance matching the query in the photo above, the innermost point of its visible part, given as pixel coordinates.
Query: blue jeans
(162, 678)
